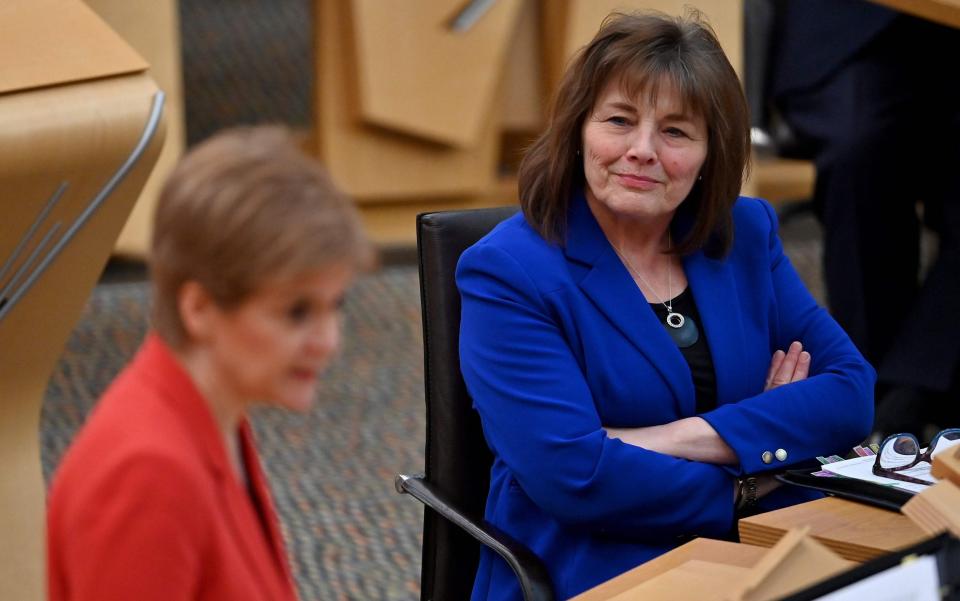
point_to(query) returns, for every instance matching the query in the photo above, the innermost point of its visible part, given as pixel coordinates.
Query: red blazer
(145, 505)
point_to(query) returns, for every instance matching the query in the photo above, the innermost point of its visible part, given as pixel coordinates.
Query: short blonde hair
(241, 209)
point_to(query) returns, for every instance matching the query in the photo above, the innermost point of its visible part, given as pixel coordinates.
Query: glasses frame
(891, 472)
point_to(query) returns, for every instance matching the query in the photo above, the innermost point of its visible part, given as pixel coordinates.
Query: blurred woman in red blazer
(161, 496)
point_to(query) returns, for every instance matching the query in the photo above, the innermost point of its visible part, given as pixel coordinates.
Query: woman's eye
(298, 311)
(675, 132)
(618, 120)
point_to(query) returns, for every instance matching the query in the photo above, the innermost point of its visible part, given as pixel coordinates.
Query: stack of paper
(861, 468)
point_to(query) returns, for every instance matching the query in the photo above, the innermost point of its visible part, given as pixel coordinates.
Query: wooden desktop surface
(700, 549)
(946, 12)
(853, 530)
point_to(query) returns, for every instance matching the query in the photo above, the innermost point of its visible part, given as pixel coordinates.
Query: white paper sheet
(862, 469)
(916, 580)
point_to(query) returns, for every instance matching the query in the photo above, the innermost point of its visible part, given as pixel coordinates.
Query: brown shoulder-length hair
(645, 50)
(241, 210)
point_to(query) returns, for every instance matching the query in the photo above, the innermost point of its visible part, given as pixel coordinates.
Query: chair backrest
(457, 458)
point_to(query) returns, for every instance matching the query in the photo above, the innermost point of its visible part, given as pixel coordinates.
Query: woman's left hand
(789, 367)
(693, 438)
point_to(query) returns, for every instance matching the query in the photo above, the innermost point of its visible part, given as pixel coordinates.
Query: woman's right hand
(788, 367)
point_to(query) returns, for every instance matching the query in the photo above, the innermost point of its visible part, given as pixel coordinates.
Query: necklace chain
(669, 304)
(680, 330)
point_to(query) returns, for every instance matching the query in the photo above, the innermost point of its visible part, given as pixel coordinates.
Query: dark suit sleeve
(137, 535)
(539, 417)
(828, 412)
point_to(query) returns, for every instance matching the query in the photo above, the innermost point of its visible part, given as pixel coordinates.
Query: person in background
(641, 353)
(865, 87)
(161, 495)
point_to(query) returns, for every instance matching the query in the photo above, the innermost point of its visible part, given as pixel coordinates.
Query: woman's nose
(642, 146)
(324, 339)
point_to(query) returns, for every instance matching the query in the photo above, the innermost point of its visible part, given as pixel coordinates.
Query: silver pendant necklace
(681, 329)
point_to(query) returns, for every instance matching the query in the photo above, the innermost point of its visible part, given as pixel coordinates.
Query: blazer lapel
(268, 512)
(182, 395)
(608, 284)
(718, 300)
(248, 530)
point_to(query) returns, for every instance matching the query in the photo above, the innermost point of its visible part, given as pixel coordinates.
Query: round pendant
(685, 334)
(675, 320)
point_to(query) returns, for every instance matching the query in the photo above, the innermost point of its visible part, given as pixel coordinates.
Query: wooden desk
(854, 531)
(732, 555)
(712, 569)
(945, 12)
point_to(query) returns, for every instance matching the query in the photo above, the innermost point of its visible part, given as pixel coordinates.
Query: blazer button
(767, 457)
(781, 455)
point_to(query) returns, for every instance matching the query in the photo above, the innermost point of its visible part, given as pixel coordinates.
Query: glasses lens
(944, 440)
(898, 451)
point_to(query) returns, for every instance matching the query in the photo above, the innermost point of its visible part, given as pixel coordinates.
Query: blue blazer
(557, 342)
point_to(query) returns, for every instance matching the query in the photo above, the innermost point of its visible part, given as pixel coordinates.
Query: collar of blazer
(168, 376)
(610, 287)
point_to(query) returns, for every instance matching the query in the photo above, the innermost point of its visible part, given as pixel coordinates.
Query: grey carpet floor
(350, 536)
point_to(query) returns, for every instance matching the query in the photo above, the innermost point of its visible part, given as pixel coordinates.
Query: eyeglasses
(899, 452)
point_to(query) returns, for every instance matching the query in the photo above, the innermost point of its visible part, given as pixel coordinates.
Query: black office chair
(454, 487)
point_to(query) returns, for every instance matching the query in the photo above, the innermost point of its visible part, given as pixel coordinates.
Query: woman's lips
(638, 182)
(304, 374)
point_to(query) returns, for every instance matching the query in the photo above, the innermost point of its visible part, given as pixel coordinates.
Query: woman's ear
(197, 310)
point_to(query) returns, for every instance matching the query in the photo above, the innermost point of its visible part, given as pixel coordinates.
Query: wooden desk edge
(703, 549)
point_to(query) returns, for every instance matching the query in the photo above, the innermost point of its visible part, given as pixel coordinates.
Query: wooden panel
(553, 51)
(419, 77)
(780, 180)
(523, 100)
(49, 42)
(703, 549)
(80, 134)
(393, 224)
(582, 19)
(363, 160)
(153, 29)
(946, 12)
(374, 164)
(692, 581)
(854, 531)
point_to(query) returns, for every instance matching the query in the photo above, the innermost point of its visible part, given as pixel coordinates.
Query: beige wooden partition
(153, 30)
(406, 107)
(79, 133)
(414, 115)
(578, 20)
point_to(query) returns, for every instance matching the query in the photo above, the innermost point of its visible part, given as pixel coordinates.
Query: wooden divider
(410, 115)
(79, 134)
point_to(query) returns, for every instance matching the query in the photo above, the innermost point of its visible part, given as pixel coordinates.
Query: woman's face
(273, 346)
(640, 160)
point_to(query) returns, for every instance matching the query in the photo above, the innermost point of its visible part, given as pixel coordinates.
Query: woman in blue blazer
(641, 352)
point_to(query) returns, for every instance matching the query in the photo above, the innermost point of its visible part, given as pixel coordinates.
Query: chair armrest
(534, 580)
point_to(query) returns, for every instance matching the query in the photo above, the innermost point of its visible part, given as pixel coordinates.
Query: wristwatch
(746, 492)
